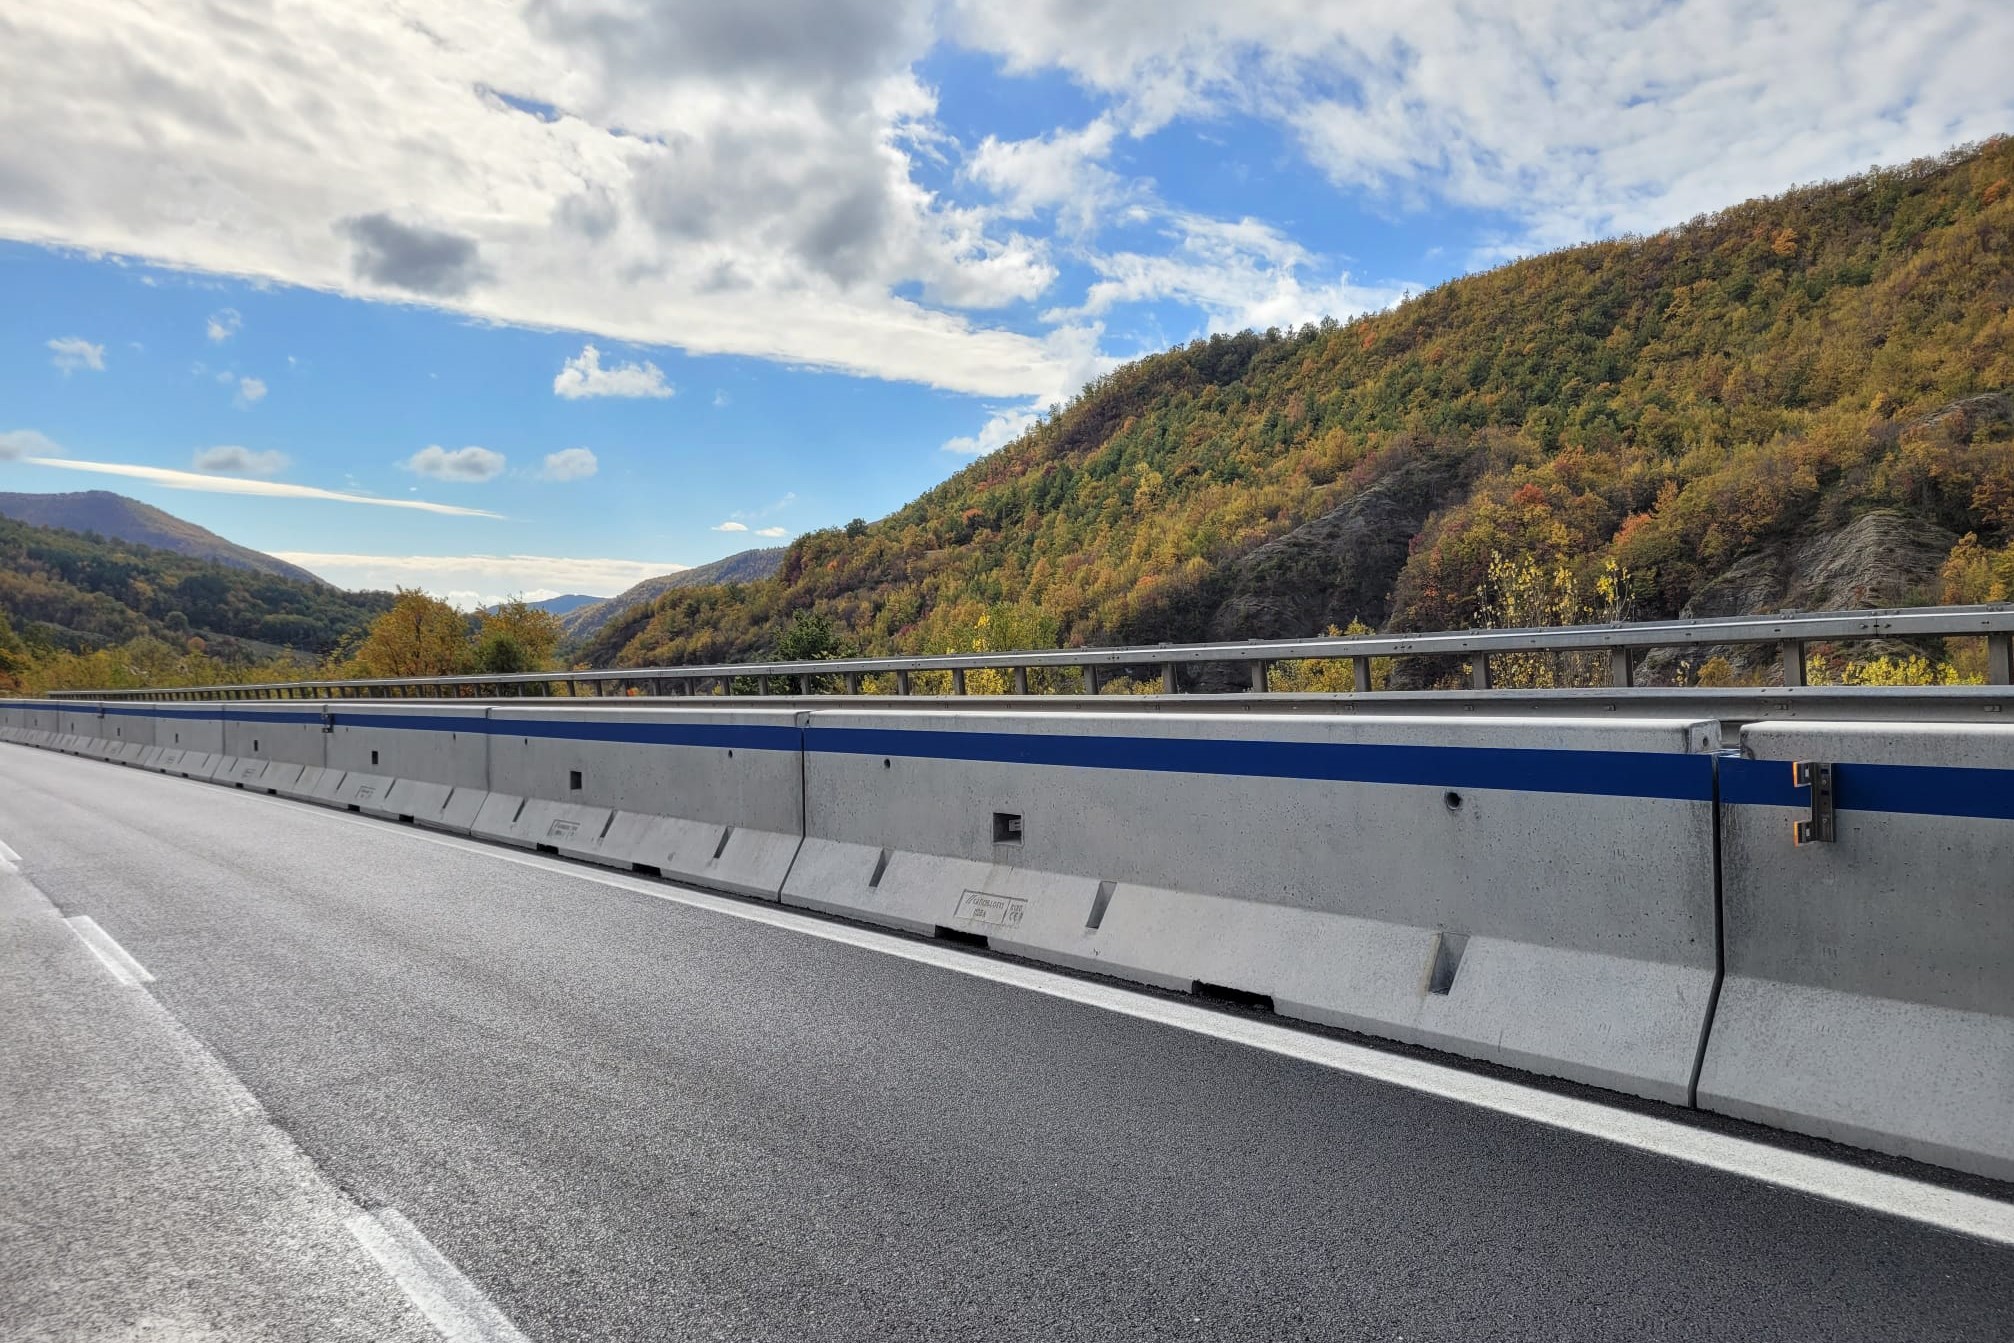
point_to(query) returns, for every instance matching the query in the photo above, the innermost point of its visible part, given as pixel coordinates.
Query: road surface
(619, 1111)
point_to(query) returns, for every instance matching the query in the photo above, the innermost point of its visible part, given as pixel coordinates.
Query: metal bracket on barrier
(1820, 828)
(328, 721)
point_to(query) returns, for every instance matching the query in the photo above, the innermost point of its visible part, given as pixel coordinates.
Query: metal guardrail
(1624, 643)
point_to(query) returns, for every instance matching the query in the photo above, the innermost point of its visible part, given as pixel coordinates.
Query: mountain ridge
(119, 518)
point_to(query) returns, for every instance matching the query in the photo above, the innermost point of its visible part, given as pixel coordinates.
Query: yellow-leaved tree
(419, 636)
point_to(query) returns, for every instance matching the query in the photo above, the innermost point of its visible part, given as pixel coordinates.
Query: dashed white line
(452, 1304)
(115, 957)
(1807, 1173)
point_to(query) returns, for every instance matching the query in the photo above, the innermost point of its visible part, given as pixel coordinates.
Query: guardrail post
(1479, 671)
(1257, 670)
(2000, 659)
(1168, 678)
(1621, 667)
(1020, 680)
(804, 683)
(957, 680)
(1791, 653)
(853, 683)
(1360, 675)
(901, 681)
(1090, 680)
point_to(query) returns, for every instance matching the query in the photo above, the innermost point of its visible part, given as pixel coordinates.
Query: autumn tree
(419, 636)
(516, 637)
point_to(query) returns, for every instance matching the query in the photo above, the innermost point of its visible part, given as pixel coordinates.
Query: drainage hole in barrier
(1006, 827)
(645, 870)
(1454, 801)
(255, 746)
(1230, 997)
(730, 753)
(1099, 903)
(547, 848)
(880, 866)
(887, 764)
(374, 757)
(405, 820)
(961, 937)
(573, 780)
(726, 834)
(1448, 948)
(353, 806)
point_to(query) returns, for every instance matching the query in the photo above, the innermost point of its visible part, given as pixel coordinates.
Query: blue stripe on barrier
(749, 736)
(1914, 790)
(1687, 778)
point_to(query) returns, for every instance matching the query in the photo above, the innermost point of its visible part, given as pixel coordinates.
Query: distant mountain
(747, 566)
(561, 605)
(118, 518)
(80, 591)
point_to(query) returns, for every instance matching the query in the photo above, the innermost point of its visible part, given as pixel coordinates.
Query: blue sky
(587, 289)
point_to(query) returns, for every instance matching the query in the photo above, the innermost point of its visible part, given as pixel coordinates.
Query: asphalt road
(624, 1117)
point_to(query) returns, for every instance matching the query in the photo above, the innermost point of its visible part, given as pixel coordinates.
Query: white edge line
(123, 967)
(1821, 1177)
(8, 855)
(454, 1306)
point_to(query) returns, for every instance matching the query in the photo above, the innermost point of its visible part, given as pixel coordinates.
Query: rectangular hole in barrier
(726, 834)
(354, 807)
(547, 848)
(255, 746)
(1230, 997)
(1448, 948)
(374, 757)
(961, 937)
(880, 867)
(1100, 903)
(645, 870)
(1006, 827)
(405, 820)
(573, 780)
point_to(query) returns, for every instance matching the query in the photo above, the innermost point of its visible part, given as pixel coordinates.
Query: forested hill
(1798, 401)
(62, 590)
(118, 518)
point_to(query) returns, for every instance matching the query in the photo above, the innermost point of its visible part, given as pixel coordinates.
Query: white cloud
(717, 178)
(1001, 428)
(584, 376)
(251, 391)
(230, 459)
(772, 532)
(719, 399)
(72, 353)
(731, 526)
(224, 323)
(1574, 121)
(569, 464)
(1241, 273)
(18, 443)
(169, 478)
(777, 506)
(481, 580)
(470, 465)
(1063, 171)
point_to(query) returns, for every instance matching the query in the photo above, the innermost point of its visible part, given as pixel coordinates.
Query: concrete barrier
(428, 763)
(714, 797)
(267, 747)
(1869, 989)
(1535, 892)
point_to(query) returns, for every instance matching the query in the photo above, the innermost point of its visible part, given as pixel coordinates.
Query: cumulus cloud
(470, 465)
(731, 526)
(169, 478)
(232, 460)
(569, 464)
(18, 443)
(583, 376)
(481, 580)
(772, 532)
(1001, 428)
(251, 391)
(71, 353)
(224, 323)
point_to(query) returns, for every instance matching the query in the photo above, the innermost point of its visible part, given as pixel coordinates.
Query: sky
(552, 296)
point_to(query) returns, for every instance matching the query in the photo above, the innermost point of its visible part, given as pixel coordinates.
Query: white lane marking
(123, 967)
(1821, 1177)
(8, 857)
(452, 1304)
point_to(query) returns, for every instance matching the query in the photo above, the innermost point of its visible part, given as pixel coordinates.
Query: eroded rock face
(1881, 559)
